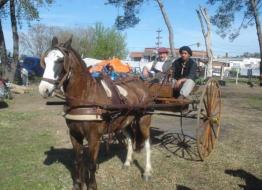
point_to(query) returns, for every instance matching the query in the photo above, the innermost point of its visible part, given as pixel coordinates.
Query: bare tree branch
(169, 27)
(203, 14)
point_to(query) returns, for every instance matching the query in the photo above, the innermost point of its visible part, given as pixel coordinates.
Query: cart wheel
(208, 118)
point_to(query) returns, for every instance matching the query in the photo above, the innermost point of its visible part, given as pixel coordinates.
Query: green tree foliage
(252, 55)
(129, 17)
(27, 10)
(225, 17)
(107, 43)
(226, 14)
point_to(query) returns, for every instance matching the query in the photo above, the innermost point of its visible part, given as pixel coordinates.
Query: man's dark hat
(185, 48)
(162, 50)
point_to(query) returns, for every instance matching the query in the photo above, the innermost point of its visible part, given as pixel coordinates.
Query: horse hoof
(146, 177)
(75, 188)
(91, 188)
(124, 167)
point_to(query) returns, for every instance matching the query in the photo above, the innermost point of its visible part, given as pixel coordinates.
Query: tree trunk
(203, 14)
(4, 60)
(15, 33)
(169, 27)
(258, 26)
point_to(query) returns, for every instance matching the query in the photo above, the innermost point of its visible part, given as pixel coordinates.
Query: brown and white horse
(86, 117)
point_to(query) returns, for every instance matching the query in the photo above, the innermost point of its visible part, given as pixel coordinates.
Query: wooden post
(237, 76)
(222, 72)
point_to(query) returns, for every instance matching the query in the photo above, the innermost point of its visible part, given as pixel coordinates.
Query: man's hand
(179, 83)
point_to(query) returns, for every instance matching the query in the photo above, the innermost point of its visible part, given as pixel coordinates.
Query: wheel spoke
(204, 138)
(192, 152)
(212, 140)
(215, 113)
(204, 115)
(204, 124)
(214, 97)
(212, 127)
(180, 140)
(183, 153)
(187, 141)
(205, 101)
(176, 150)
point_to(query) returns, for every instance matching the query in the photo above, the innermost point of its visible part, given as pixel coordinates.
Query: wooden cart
(204, 105)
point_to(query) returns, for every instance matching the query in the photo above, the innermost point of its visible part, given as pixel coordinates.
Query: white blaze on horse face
(52, 71)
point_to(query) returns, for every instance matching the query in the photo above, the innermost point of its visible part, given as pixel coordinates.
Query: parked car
(32, 65)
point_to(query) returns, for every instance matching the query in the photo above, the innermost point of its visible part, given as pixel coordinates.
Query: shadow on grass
(155, 135)
(181, 145)
(3, 104)
(181, 187)
(252, 182)
(66, 156)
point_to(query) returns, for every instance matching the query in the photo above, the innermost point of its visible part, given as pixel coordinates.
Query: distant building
(149, 54)
(136, 56)
(243, 64)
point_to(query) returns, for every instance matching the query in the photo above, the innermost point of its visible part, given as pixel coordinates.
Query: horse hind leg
(77, 142)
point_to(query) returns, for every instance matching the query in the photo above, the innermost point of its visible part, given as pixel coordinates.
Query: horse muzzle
(46, 89)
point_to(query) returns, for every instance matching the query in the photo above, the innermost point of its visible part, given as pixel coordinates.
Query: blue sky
(181, 13)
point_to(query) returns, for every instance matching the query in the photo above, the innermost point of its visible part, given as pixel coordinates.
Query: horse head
(56, 65)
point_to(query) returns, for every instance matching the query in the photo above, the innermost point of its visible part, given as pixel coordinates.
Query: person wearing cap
(159, 66)
(184, 72)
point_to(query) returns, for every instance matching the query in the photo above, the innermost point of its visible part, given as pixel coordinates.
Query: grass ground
(35, 151)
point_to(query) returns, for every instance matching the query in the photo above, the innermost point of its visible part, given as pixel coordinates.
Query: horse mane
(79, 59)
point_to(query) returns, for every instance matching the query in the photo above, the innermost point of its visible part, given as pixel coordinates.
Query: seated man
(158, 66)
(184, 70)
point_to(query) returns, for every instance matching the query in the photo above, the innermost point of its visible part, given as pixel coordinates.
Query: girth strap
(83, 113)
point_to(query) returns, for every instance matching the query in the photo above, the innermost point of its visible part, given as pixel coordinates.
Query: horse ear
(68, 43)
(54, 41)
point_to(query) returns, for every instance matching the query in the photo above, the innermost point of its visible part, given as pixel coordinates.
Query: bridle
(66, 68)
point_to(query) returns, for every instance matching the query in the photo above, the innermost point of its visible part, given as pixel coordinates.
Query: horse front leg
(77, 142)
(129, 150)
(93, 145)
(148, 170)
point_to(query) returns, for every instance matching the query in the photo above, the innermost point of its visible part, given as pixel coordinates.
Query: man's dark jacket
(189, 72)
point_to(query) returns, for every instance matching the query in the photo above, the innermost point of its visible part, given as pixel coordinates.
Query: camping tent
(115, 63)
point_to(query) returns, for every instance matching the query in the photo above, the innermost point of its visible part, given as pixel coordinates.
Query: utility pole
(158, 38)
